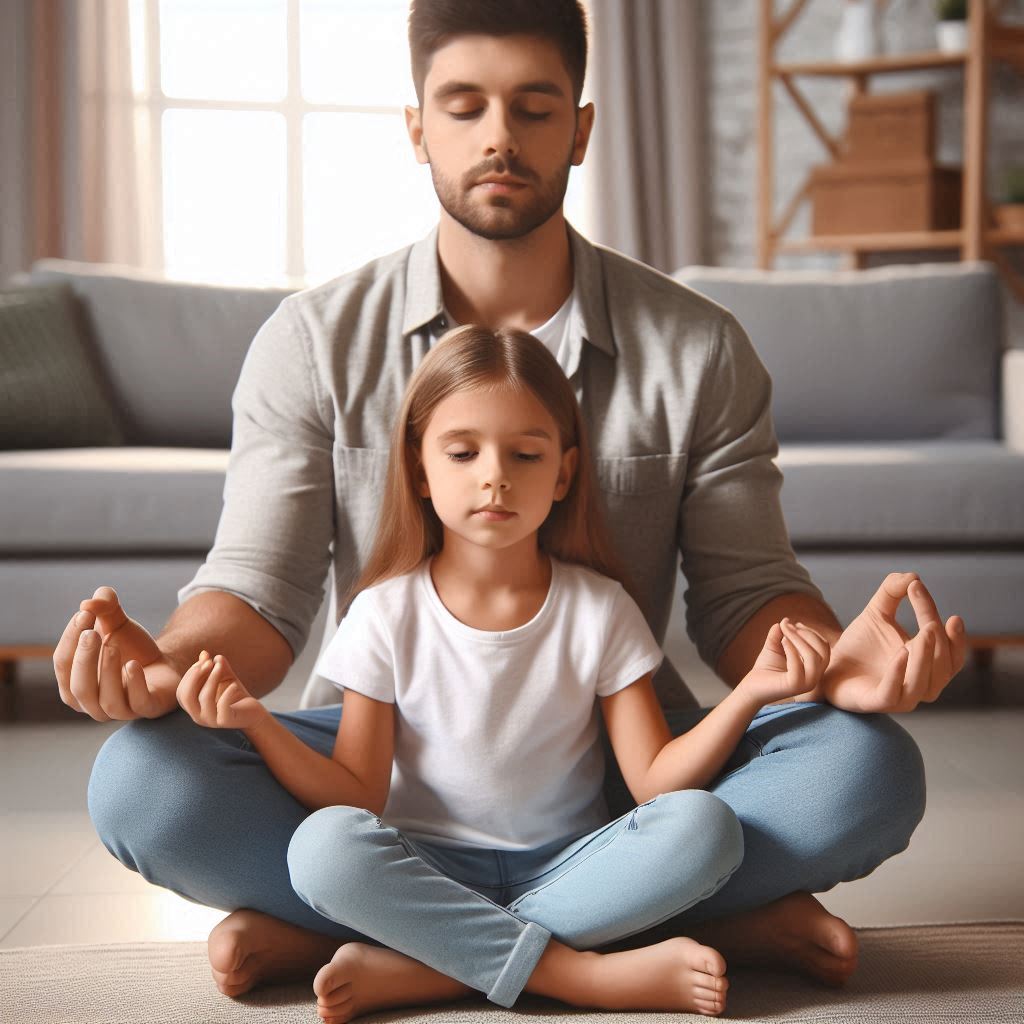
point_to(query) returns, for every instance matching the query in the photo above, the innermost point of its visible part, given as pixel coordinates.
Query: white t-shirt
(553, 334)
(497, 741)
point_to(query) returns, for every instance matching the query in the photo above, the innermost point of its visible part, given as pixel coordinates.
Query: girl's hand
(213, 696)
(792, 662)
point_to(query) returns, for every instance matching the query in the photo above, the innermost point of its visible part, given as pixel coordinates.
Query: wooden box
(893, 126)
(860, 198)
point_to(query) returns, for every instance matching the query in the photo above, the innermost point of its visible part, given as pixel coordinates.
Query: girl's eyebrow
(450, 435)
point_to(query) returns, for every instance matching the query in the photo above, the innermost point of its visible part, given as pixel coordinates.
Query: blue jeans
(822, 796)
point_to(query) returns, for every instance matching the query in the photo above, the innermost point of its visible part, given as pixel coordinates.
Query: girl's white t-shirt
(497, 734)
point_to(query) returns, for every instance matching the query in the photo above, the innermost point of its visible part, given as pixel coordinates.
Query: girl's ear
(566, 472)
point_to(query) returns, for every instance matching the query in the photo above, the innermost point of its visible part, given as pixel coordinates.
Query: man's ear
(566, 472)
(414, 126)
(584, 126)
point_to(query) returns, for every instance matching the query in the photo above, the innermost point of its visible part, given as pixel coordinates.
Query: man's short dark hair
(434, 23)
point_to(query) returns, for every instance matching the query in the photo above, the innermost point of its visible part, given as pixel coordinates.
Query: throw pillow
(51, 390)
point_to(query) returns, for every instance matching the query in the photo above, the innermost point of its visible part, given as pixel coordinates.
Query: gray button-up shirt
(676, 400)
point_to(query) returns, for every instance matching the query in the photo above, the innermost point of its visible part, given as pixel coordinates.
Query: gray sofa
(893, 402)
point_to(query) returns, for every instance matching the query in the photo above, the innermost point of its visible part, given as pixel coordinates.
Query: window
(278, 136)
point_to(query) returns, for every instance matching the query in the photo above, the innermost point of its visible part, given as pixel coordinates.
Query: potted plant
(951, 31)
(1010, 214)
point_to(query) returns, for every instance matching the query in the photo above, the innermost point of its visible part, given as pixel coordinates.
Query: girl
(460, 826)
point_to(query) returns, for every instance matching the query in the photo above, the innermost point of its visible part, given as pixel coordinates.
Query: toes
(713, 961)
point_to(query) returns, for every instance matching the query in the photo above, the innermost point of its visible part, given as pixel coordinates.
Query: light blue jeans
(821, 796)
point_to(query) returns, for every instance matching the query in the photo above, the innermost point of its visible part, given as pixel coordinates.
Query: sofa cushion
(119, 500)
(963, 493)
(51, 390)
(171, 349)
(894, 353)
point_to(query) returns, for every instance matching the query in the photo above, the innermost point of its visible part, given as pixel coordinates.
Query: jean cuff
(525, 955)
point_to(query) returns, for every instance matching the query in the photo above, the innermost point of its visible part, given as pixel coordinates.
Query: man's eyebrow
(545, 86)
(451, 435)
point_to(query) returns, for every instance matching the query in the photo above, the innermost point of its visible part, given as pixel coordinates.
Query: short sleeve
(630, 649)
(272, 546)
(360, 654)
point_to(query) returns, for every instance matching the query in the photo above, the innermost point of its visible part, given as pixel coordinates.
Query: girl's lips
(494, 516)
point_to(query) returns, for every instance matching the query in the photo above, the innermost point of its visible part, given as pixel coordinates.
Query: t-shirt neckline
(503, 636)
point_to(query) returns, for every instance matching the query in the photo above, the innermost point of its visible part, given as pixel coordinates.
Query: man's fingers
(84, 675)
(919, 669)
(888, 693)
(888, 596)
(923, 604)
(64, 655)
(956, 630)
(140, 699)
(106, 605)
(112, 695)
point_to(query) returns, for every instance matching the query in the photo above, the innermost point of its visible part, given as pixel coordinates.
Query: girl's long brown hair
(467, 358)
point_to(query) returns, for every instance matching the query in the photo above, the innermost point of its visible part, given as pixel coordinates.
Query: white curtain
(112, 203)
(646, 153)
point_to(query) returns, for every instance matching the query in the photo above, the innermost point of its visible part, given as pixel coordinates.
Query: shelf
(889, 241)
(876, 66)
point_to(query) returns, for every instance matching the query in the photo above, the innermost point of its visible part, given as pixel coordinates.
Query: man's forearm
(224, 624)
(738, 658)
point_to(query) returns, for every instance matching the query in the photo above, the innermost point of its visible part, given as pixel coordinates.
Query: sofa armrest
(1013, 399)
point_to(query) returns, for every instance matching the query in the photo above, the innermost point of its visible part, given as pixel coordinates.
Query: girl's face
(492, 464)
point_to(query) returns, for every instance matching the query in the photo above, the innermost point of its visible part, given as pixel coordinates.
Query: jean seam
(582, 861)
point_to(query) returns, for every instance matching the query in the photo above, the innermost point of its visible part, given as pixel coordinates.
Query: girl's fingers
(794, 666)
(815, 639)
(810, 657)
(208, 694)
(190, 685)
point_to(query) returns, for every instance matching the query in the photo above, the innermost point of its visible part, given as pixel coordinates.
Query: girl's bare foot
(249, 947)
(361, 978)
(795, 933)
(677, 974)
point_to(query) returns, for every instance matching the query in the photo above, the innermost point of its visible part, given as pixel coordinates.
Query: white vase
(858, 36)
(951, 36)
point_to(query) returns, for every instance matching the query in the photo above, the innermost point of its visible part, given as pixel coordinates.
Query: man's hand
(109, 667)
(876, 666)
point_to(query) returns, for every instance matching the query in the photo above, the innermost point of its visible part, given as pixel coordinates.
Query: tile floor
(58, 884)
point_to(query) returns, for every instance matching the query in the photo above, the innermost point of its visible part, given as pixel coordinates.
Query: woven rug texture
(921, 974)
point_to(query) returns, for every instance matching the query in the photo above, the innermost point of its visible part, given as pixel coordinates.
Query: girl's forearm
(314, 780)
(692, 760)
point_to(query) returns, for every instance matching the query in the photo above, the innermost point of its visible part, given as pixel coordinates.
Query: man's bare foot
(795, 933)
(361, 978)
(677, 974)
(249, 947)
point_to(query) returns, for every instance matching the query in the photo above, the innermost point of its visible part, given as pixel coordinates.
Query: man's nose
(500, 138)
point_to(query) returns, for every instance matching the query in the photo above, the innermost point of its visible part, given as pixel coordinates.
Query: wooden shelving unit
(977, 238)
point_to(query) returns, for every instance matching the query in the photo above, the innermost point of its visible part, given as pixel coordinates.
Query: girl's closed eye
(467, 456)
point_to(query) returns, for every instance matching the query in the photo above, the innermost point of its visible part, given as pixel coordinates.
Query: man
(678, 407)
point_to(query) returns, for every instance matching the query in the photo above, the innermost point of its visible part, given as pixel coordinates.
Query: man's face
(499, 107)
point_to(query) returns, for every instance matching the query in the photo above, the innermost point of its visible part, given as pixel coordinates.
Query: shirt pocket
(642, 496)
(360, 475)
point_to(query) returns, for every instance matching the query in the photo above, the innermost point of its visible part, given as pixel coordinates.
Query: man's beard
(483, 219)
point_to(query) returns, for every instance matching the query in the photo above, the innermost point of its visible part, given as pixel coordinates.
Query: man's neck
(520, 283)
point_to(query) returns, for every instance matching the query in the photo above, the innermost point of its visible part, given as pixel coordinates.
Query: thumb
(887, 597)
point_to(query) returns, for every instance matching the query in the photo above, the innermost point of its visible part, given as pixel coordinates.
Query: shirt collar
(424, 303)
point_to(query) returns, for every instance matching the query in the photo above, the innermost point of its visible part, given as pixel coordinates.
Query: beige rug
(907, 975)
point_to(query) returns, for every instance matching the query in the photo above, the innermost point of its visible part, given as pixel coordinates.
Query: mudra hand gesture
(214, 696)
(877, 666)
(792, 661)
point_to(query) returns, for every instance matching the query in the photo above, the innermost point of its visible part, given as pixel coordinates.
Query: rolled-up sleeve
(736, 553)
(272, 546)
